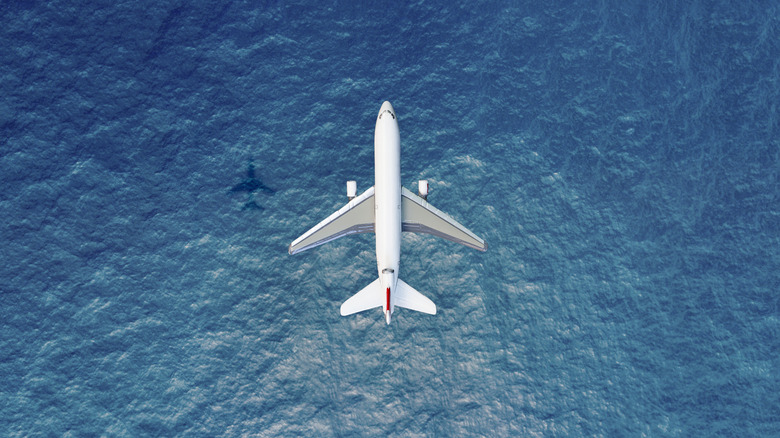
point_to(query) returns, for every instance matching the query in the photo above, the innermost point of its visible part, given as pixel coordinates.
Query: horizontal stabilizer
(408, 298)
(355, 217)
(369, 297)
(419, 216)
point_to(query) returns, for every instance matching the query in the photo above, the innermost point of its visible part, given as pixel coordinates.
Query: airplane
(387, 209)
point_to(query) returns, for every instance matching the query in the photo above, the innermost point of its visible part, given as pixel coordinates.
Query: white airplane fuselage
(387, 186)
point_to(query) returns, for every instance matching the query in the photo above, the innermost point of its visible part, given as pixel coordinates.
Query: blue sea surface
(621, 159)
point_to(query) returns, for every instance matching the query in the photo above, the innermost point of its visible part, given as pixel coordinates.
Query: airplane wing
(418, 216)
(355, 217)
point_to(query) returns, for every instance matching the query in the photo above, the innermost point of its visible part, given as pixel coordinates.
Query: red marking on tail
(388, 298)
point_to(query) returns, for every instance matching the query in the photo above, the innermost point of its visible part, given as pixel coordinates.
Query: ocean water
(621, 159)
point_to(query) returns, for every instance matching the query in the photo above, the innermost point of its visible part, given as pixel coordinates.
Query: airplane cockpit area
(388, 112)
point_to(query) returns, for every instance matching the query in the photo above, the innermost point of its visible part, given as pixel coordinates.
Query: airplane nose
(387, 317)
(387, 108)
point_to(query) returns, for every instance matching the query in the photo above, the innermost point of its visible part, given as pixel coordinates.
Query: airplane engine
(351, 189)
(423, 188)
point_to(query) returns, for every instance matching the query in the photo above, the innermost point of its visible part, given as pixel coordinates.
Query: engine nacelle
(423, 189)
(351, 189)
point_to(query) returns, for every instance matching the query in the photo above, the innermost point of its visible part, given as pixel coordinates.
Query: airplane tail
(368, 298)
(373, 296)
(408, 298)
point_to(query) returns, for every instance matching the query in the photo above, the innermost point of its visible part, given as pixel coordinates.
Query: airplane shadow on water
(250, 185)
